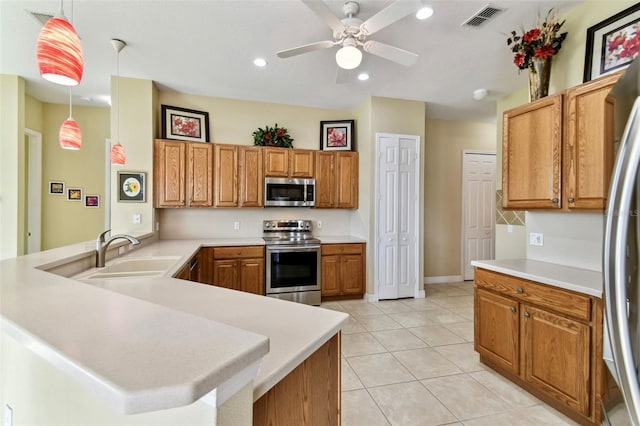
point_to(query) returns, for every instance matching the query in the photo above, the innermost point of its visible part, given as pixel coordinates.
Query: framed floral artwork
(131, 187)
(337, 135)
(92, 201)
(613, 43)
(184, 124)
(56, 187)
(74, 194)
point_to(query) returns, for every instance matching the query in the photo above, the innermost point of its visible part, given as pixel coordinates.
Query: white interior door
(34, 191)
(478, 209)
(397, 175)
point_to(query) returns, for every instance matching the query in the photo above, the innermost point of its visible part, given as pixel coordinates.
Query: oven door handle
(281, 248)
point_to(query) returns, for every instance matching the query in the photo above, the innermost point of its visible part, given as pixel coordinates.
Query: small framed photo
(56, 187)
(131, 187)
(612, 44)
(337, 135)
(74, 194)
(92, 201)
(184, 124)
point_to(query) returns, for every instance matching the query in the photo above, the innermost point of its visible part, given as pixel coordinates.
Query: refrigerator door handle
(618, 214)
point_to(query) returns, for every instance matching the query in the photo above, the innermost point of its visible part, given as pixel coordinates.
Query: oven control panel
(286, 225)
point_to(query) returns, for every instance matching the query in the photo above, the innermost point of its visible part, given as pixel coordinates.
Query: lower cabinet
(543, 338)
(238, 268)
(343, 269)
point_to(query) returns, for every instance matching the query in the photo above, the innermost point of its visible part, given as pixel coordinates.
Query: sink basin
(131, 268)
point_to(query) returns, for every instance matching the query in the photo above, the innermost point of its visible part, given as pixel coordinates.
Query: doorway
(33, 226)
(397, 215)
(478, 208)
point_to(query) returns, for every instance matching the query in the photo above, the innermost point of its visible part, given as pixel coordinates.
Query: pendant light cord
(70, 111)
(118, 97)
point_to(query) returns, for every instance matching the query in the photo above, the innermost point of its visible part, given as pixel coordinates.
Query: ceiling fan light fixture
(424, 13)
(348, 57)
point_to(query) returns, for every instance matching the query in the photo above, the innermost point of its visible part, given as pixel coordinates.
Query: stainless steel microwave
(289, 192)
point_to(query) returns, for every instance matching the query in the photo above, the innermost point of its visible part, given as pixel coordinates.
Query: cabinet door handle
(571, 199)
(513, 309)
(527, 314)
(520, 290)
(554, 200)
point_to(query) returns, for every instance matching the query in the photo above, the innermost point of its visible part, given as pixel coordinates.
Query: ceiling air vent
(482, 16)
(42, 18)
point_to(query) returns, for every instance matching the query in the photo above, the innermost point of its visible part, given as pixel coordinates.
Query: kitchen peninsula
(139, 345)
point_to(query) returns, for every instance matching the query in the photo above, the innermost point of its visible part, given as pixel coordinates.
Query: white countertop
(151, 343)
(340, 239)
(579, 280)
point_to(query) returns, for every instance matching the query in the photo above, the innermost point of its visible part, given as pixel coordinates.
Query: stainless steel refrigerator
(621, 257)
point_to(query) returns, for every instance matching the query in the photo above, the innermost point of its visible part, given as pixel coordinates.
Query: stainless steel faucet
(102, 244)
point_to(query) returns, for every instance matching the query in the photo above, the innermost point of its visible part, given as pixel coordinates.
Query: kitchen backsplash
(219, 223)
(507, 217)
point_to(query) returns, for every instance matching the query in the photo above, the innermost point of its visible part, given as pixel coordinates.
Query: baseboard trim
(443, 279)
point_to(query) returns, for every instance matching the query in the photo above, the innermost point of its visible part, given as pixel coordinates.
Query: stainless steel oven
(292, 261)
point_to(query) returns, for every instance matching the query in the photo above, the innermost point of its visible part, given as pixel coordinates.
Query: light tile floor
(411, 362)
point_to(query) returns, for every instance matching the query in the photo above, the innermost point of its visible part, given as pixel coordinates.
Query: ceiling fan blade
(321, 9)
(306, 48)
(391, 53)
(387, 16)
(343, 76)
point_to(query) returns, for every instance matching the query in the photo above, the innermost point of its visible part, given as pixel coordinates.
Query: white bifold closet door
(397, 206)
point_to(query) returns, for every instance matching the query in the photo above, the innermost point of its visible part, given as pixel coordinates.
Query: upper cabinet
(337, 179)
(183, 174)
(251, 175)
(557, 152)
(288, 162)
(226, 175)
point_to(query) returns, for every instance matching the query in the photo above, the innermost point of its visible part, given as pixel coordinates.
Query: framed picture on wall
(131, 187)
(56, 187)
(92, 201)
(336, 135)
(185, 124)
(74, 194)
(612, 44)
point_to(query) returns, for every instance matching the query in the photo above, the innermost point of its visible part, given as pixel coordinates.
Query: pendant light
(70, 136)
(118, 156)
(59, 52)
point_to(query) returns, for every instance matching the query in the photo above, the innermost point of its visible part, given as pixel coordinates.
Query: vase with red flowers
(533, 50)
(272, 136)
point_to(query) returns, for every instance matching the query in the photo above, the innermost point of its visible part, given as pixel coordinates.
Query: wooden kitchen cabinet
(558, 151)
(336, 179)
(250, 171)
(288, 162)
(343, 270)
(546, 339)
(183, 174)
(238, 268)
(226, 175)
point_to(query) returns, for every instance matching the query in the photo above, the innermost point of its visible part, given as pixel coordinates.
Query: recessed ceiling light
(363, 76)
(480, 94)
(424, 13)
(259, 62)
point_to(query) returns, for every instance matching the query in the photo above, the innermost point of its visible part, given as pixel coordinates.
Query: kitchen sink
(131, 268)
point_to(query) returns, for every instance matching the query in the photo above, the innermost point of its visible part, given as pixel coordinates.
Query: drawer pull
(554, 200)
(571, 199)
(513, 309)
(520, 290)
(527, 314)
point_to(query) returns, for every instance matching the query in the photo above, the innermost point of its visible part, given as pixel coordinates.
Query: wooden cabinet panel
(347, 180)
(250, 163)
(301, 163)
(329, 273)
(343, 269)
(169, 173)
(496, 329)
(276, 162)
(205, 265)
(238, 252)
(588, 156)
(183, 274)
(251, 276)
(200, 175)
(557, 356)
(226, 172)
(531, 162)
(325, 179)
(225, 274)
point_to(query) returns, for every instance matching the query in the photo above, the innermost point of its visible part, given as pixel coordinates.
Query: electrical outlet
(157, 226)
(236, 225)
(319, 224)
(536, 239)
(8, 415)
(509, 228)
(137, 219)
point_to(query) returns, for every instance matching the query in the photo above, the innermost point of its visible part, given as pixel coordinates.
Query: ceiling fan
(351, 33)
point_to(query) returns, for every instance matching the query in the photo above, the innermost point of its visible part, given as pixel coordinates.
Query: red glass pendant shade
(118, 156)
(59, 52)
(70, 135)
